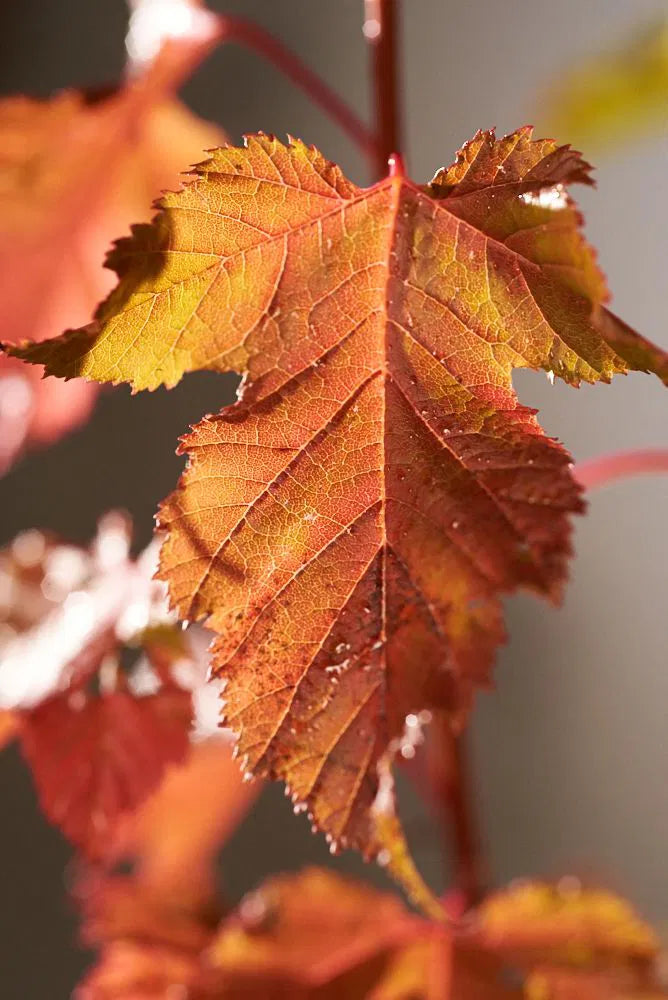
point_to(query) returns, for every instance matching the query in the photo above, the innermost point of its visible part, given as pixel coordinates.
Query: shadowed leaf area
(348, 526)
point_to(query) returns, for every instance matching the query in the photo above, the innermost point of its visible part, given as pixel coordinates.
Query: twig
(606, 469)
(451, 785)
(252, 36)
(381, 30)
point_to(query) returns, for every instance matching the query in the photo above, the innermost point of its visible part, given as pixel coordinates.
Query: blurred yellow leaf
(615, 96)
(534, 921)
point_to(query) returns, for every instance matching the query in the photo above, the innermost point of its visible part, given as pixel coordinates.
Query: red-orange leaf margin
(348, 526)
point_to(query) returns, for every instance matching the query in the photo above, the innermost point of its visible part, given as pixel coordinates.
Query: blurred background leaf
(615, 96)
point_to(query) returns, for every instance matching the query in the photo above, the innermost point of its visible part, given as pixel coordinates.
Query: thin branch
(381, 29)
(448, 771)
(155, 22)
(606, 469)
(252, 36)
(451, 790)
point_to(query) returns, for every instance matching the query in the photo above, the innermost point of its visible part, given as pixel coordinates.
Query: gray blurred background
(570, 750)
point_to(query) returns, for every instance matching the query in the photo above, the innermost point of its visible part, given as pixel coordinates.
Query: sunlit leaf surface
(348, 527)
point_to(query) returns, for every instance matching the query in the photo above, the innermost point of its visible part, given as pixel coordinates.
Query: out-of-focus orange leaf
(317, 936)
(94, 759)
(314, 934)
(572, 943)
(349, 526)
(9, 726)
(134, 971)
(153, 926)
(552, 983)
(409, 971)
(176, 833)
(435, 967)
(565, 922)
(301, 924)
(121, 908)
(75, 171)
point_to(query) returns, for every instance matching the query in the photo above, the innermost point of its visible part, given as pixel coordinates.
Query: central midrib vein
(396, 187)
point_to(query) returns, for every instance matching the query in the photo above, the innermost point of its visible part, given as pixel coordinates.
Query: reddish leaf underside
(94, 759)
(347, 527)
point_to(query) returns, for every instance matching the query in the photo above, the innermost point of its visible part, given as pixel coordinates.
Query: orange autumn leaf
(9, 726)
(437, 967)
(75, 170)
(122, 907)
(132, 970)
(348, 527)
(318, 936)
(572, 943)
(296, 923)
(153, 926)
(567, 984)
(314, 934)
(310, 936)
(537, 921)
(178, 830)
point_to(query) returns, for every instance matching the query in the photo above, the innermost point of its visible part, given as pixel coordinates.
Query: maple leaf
(75, 170)
(317, 935)
(68, 614)
(153, 925)
(564, 922)
(309, 935)
(115, 753)
(347, 527)
(573, 943)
